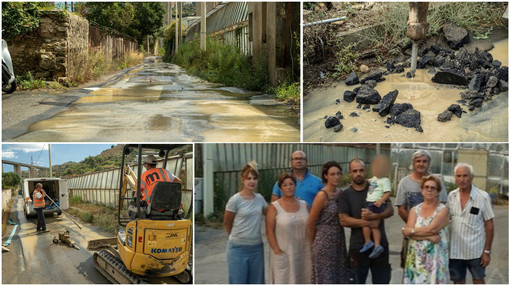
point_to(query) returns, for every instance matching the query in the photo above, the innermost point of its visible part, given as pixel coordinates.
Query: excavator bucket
(97, 244)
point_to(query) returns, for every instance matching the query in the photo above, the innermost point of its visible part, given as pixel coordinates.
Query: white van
(55, 188)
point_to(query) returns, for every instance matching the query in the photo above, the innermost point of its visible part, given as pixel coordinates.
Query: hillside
(109, 158)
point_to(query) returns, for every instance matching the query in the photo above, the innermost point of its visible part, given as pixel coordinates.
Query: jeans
(379, 267)
(41, 224)
(245, 263)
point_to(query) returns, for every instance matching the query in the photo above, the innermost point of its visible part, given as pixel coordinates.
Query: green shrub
(28, 82)
(221, 63)
(20, 17)
(75, 200)
(87, 216)
(347, 58)
(390, 35)
(288, 92)
(10, 180)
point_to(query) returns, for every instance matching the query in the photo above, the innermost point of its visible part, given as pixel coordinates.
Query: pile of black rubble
(478, 73)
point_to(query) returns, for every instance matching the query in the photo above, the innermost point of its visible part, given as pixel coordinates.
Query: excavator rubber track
(114, 270)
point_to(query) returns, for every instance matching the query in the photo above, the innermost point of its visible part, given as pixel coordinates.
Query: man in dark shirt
(353, 214)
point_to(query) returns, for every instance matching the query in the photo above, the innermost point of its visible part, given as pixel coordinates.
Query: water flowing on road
(159, 102)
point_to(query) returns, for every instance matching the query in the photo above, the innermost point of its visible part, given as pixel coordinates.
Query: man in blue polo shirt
(307, 186)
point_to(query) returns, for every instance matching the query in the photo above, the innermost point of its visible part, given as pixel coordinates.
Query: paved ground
(34, 258)
(211, 266)
(154, 101)
(21, 109)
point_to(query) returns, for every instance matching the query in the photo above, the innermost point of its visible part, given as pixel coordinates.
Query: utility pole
(148, 46)
(176, 27)
(49, 153)
(168, 13)
(203, 31)
(180, 26)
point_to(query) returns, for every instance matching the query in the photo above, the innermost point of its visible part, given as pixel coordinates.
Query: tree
(148, 19)
(20, 17)
(10, 180)
(136, 19)
(115, 15)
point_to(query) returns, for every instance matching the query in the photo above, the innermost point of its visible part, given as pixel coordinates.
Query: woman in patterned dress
(286, 233)
(427, 256)
(329, 254)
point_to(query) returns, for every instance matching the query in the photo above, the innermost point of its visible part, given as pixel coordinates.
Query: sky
(60, 153)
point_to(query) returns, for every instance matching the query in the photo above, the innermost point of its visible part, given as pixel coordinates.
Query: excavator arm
(129, 178)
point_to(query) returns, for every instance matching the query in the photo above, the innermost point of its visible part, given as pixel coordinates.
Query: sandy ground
(211, 265)
(486, 124)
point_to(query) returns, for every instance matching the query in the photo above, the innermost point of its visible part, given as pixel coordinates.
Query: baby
(378, 193)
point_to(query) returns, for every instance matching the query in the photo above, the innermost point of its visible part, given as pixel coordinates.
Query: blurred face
(357, 172)
(430, 190)
(250, 182)
(298, 160)
(288, 187)
(463, 178)
(421, 165)
(333, 176)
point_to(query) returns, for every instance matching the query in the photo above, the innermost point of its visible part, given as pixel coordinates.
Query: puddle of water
(489, 124)
(185, 109)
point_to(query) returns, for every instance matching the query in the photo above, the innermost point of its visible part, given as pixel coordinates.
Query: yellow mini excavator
(155, 239)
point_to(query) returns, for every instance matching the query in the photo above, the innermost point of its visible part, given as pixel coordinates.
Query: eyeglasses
(298, 159)
(430, 188)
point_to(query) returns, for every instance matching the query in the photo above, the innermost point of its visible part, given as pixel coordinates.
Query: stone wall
(58, 48)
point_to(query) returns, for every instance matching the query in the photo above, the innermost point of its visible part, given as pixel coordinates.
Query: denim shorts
(374, 209)
(458, 269)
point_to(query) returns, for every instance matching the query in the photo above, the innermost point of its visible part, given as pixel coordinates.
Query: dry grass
(100, 64)
(99, 215)
(6, 215)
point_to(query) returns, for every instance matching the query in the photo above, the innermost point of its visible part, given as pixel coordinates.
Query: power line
(40, 154)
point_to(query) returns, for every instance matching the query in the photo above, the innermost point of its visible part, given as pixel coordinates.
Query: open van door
(64, 196)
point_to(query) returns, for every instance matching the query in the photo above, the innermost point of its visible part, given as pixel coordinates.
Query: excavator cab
(155, 239)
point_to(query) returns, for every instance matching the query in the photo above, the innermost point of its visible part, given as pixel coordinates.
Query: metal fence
(229, 22)
(114, 44)
(491, 165)
(103, 187)
(273, 159)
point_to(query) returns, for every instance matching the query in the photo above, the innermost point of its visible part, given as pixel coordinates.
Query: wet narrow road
(34, 258)
(159, 102)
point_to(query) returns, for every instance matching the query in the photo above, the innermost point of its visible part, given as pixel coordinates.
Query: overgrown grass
(28, 82)
(99, 215)
(223, 63)
(347, 62)
(99, 64)
(289, 92)
(390, 35)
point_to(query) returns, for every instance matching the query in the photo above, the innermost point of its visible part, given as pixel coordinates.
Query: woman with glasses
(427, 256)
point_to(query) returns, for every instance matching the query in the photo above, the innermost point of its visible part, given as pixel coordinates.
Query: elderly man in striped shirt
(471, 228)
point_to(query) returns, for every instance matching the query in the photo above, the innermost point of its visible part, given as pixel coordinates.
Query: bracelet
(487, 251)
(412, 231)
